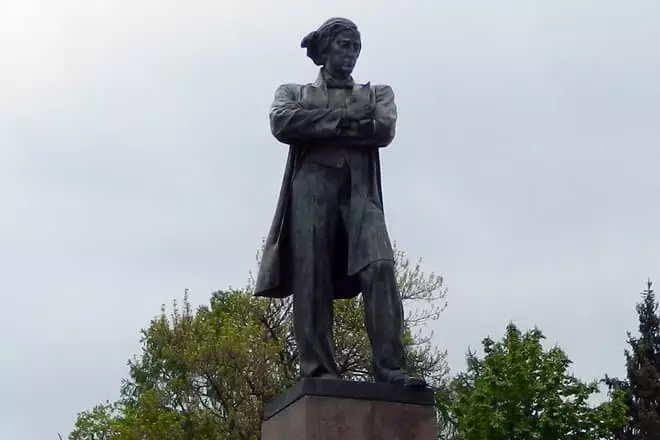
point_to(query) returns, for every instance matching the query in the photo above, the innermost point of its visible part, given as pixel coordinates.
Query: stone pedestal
(325, 409)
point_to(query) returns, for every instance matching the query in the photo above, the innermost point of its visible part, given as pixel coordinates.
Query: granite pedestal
(326, 409)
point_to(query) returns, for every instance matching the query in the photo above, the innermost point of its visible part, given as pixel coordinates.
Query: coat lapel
(316, 94)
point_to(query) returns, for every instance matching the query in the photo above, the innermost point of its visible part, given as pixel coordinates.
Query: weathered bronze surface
(328, 239)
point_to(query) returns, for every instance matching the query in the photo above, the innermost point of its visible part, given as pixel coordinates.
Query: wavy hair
(318, 41)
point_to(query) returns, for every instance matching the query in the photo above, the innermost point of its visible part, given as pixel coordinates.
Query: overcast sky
(136, 161)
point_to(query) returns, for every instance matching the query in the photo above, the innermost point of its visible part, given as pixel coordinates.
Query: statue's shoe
(328, 376)
(407, 381)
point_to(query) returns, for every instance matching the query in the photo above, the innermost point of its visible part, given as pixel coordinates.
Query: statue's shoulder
(290, 86)
(384, 89)
(383, 93)
(290, 90)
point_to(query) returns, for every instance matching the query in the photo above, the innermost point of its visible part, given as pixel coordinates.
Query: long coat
(300, 117)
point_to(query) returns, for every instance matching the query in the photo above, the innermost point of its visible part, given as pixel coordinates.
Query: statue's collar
(325, 81)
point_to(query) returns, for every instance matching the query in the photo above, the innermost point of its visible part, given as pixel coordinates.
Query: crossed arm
(291, 123)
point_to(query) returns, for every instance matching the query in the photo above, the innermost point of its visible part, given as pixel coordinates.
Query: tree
(520, 391)
(642, 385)
(203, 374)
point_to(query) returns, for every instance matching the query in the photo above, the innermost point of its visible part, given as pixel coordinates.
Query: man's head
(335, 45)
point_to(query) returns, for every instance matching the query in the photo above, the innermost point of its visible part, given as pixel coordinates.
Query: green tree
(99, 423)
(204, 373)
(642, 384)
(520, 391)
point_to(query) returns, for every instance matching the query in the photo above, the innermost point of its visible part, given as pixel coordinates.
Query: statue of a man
(328, 239)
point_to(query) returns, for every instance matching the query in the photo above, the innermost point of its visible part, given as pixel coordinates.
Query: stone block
(323, 409)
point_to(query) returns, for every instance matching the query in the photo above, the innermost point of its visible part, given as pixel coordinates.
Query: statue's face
(343, 53)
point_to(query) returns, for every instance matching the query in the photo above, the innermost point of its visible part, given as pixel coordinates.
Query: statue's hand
(358, 111)
(366, 127)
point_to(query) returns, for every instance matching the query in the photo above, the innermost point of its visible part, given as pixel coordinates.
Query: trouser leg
(314, 217)
(383, 315)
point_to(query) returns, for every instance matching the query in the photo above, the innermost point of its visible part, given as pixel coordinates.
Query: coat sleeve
(385, 116)
(380, 131)
(292, 123)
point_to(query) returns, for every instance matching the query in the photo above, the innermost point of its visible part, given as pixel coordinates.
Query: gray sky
(136, 161)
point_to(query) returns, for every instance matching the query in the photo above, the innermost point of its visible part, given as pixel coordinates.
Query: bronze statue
(328, 239)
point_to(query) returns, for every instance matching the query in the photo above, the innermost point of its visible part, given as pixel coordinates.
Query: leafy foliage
(203, 374)
(520, 391)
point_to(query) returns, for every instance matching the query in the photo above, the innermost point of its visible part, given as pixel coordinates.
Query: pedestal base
(323, 409)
